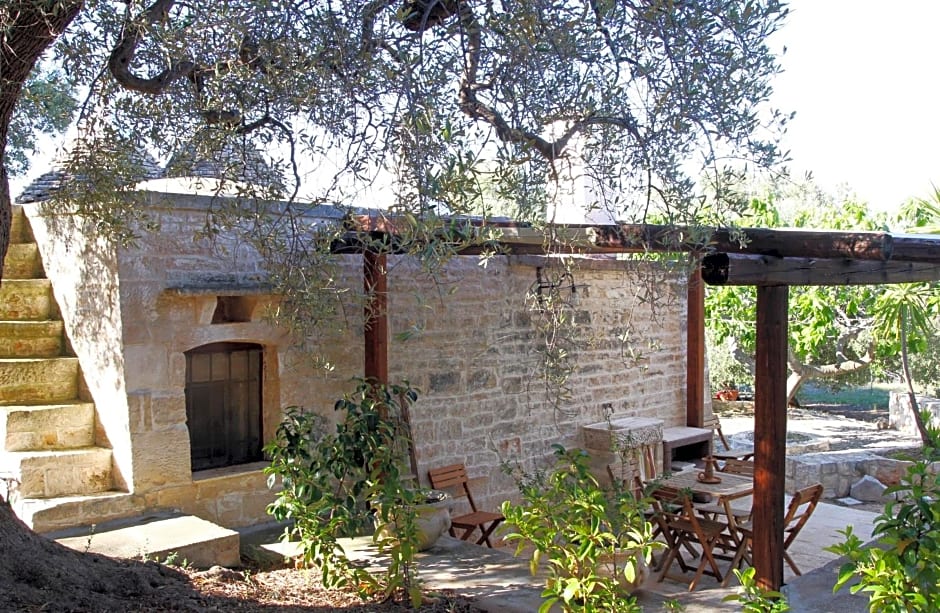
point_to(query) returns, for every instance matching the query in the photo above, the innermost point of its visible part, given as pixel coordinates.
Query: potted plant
(431, 509)
(596, 540)
(728, 391)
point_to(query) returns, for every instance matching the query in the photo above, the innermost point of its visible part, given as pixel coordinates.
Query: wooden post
(376, 317)
(695, 349)
(770, 434)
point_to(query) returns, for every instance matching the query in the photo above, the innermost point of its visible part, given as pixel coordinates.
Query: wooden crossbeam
(761, 270)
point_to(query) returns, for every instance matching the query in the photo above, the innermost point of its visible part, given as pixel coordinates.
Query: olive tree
(457, 105)
(830, 327)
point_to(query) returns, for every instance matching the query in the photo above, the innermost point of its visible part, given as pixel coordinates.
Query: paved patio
(502, 583)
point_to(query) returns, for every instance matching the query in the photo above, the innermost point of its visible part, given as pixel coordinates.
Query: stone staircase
(58, 477)
(49, 450)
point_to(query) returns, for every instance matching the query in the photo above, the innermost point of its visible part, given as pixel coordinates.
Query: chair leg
(740, 555)
(485, 538)
(796, 571)
(707, 558)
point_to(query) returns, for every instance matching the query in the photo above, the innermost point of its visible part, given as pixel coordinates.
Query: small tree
(903, 321)
(344, 483)
(829, 326)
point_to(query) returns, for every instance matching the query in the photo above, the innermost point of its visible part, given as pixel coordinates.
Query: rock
(849, 502)
(868, 489)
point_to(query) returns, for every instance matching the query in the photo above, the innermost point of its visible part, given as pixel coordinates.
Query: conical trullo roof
(225, 162)
(141, 164)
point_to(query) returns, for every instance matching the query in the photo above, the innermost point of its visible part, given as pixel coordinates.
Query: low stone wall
(900, 415)
(838, 470)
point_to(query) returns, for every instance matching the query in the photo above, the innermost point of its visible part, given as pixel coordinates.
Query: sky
(862, 77)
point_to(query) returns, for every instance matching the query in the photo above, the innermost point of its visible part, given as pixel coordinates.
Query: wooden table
(730, 484)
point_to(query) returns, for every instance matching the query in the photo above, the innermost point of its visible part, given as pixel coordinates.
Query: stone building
(148, 377)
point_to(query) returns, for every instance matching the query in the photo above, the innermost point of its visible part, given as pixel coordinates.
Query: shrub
(901, 572)
(577, 526)
(342, 484)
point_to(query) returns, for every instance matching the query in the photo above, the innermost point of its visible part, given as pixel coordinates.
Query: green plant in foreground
(343, 484)
(754, 598)
(901, 572)
(578, 528)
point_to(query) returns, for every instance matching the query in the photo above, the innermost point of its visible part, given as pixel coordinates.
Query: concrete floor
(501, 583)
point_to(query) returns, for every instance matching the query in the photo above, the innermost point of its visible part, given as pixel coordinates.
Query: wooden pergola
(770, 259)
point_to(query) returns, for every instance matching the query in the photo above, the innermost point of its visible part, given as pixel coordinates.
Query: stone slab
(185, 537)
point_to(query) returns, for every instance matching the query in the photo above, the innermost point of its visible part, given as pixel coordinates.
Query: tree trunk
(27, 28)
(801, 373)
(909, 382)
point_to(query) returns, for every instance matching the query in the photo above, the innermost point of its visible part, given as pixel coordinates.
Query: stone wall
(901, 417)
(467, 338)
(477, 359)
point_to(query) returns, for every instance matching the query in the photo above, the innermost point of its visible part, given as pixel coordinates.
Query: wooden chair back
(738, 467)
(799, 511)
(452, 478)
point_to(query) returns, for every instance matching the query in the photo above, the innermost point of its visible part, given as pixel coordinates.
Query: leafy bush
(342, 484)
(577, 526)
(902, 571)
(754, 598)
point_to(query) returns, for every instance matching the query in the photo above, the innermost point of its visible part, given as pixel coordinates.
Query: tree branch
(122, 56)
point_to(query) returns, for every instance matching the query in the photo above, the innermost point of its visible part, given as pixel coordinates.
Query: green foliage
(826, 324)
(913, 305)
(755, 599)
(380, 90)
(724, 365)
(901, 572)
(577, 527)
(342, 484)
(45, 106)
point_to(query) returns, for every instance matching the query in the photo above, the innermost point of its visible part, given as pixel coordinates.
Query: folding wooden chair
(741, 453)
(799, 511)
(735, 466)
(683, 528)
(455, 477)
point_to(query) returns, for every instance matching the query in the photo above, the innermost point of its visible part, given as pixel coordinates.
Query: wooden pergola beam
(733, 269)
(522, 238)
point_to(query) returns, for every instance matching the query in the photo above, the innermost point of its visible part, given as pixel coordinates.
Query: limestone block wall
(170, 283)
(467, 338)
(475, 350)
(901, 417)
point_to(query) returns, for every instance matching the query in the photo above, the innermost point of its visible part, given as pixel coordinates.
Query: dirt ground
(37, 574)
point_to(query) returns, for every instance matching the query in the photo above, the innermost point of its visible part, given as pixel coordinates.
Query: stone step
(20, 230)
(48, 474)
(31, 339)
(66, 512)
(158, 537)
(38, 380)
(23, 262)
(48, 426)
(27, 299)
